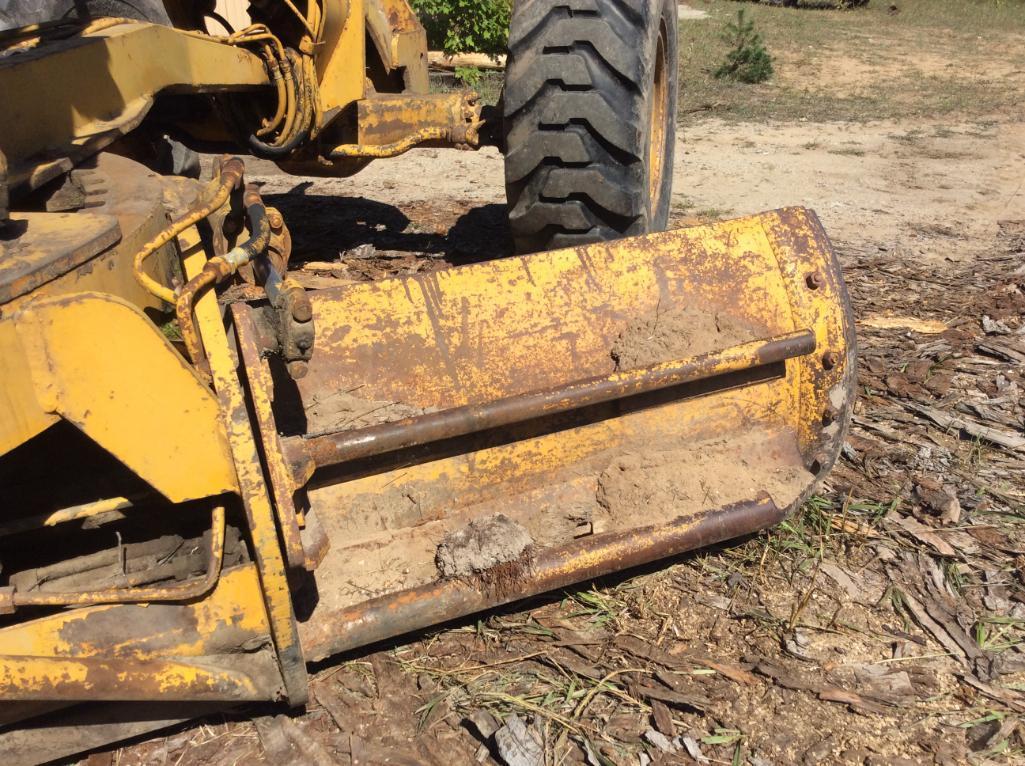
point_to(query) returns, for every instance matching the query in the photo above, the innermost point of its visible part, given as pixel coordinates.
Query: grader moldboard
(212, 476)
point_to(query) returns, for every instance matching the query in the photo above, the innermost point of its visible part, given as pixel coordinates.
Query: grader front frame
(207, 489)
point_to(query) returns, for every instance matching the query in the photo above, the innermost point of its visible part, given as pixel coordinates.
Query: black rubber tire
(579, 95)
(19, 14)
(152, 11)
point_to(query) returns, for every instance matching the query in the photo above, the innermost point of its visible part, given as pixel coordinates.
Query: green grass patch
(998, 633)
(930, 58)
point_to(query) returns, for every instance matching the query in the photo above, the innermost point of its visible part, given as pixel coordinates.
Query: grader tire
(589, 115)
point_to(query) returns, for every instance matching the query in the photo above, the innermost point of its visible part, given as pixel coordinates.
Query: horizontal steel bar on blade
(331, 632)
(344, 446)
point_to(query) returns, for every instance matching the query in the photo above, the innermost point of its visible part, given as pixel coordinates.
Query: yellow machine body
(202, 496)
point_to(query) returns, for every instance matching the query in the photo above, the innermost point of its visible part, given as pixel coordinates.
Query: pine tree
(747, 59)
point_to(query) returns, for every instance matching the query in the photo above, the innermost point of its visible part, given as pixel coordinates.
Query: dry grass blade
(600, 687)
(531, 707)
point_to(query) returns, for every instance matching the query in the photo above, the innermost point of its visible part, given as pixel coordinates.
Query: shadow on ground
(331, 228)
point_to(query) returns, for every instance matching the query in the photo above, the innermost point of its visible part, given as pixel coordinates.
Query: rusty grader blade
(459, 440)
(468, 437)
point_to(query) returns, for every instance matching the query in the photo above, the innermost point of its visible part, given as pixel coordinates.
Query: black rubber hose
(269, 151)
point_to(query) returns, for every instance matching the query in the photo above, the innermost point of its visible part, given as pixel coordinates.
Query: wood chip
(784, 677)
(929, 625)
(925, 534)
(977, 430)
(443, 60)
(852, 699)
(882, 322)
(485, 723)
(824, 691)
(646, 651)
(690, 702)
(276, 744)
(324, 267)
(517, 744)
(941, 499)
(565, 662)
(693, 749)
(852, 527)
(856, 590)
(663, 719)
(1005, 352)
(660, 741)
(330, 700)
(1008, 697)
(685, 685)
(732, 672)
(884, 683)
(313, 752)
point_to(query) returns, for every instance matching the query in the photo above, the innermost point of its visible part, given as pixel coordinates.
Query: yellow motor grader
(211, 476)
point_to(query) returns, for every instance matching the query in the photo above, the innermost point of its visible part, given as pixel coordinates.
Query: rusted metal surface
(371, 151)
(186, 324)
(140, 202)
(282, 486)
(214, 648)
(229, 178)
(177, 592)
(343, 446)
(826, 384)
(217, 649)
(5, 197)
(60, 357)
(292, 323)
(552, 568)
(38, 247)
(394, 30)
(85, 727)
(492, 347)
(434, 340)
(252, 484)
(388, 118)
(232, 617)
(89, 679)
(663, 100)
(483, 340)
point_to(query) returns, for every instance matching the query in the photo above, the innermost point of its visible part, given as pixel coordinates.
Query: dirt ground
(882, 624)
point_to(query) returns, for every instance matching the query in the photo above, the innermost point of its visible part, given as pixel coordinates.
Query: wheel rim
(657, 124)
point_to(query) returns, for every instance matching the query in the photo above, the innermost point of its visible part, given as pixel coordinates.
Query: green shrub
(465, 26)
(470, 76)
(747, 59)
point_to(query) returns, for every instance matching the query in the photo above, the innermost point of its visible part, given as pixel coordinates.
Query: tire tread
(575, 121)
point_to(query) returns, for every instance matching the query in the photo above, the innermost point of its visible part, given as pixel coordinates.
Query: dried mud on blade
(496, 430)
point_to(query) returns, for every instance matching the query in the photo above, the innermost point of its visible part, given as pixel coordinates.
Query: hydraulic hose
(217, 269)
(220, 189)
(282, 93)
(303, 111)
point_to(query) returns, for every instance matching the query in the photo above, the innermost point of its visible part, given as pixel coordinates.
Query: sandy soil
(886, 180)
